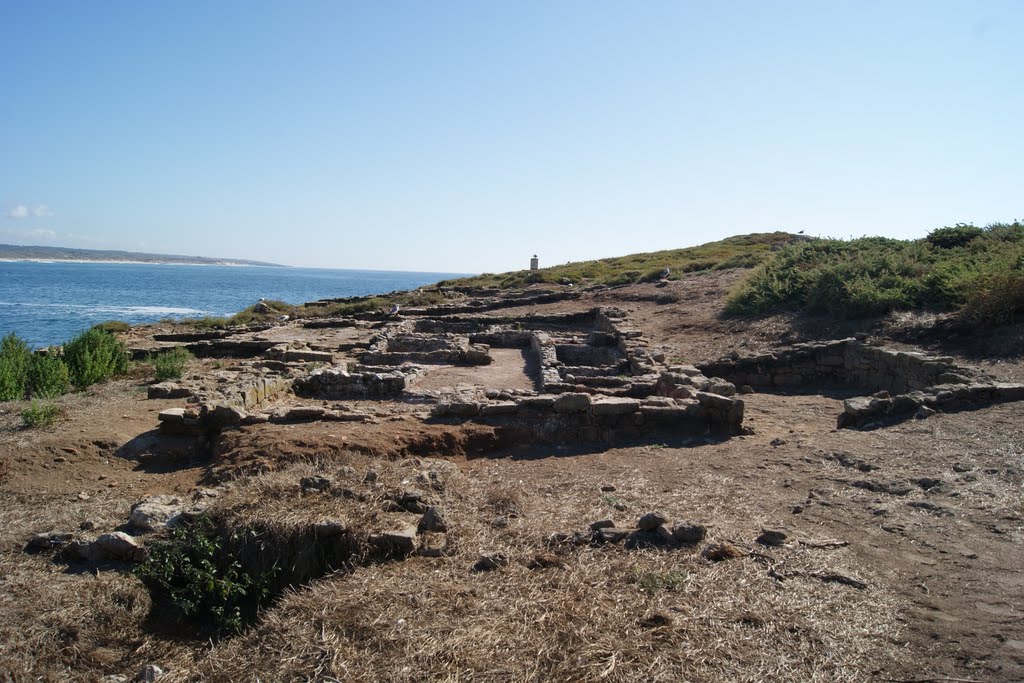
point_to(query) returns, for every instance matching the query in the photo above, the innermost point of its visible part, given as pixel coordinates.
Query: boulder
(156, 512)
(401, 541)
(121, 547)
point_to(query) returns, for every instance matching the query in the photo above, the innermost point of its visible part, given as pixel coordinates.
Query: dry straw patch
(589, 614)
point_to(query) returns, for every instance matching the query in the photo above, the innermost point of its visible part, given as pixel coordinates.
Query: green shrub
(113, 326)
(955, 236)
(971, 270)
(40, 414)
(170, 364)
(93, 356)
(194, 574)
(48, 376)
(14, 361)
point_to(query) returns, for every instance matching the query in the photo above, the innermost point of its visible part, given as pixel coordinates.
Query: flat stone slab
(612, 405)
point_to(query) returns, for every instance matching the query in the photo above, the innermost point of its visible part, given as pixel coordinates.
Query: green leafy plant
(14, 362)
(48, 376)
(170, 364)
(93, 356)
(40, 414)
(193, 573)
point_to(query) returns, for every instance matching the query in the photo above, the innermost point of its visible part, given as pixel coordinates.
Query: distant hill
(14, 252)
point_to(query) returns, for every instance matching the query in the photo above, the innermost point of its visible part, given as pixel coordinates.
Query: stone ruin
(593, 376)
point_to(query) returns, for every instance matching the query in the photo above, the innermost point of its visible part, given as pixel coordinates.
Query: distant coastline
(40, 254)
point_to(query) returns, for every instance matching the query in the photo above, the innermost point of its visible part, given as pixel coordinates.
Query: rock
(149, 674)
(303, 413)
(119, 546)
(114, 678)
(776, 442)
(689, 532)
(612, 405)
(315, 483)
(500, 522)
(155, 512)
(772, 537)
(572, 403)
(664, 534)
(638, 538)
(172, 415)
(620, 506)
(371, 477)
(433, 519)
(167, 390)
(87, 525)
(545, 561)
(716, 552)
(49, 540)
(746, 389)
(401, 541)
(924, 412)
(410, 500)
(610, 535)
(608, 488)
(651, 521)
(490, 561)
(602, 524)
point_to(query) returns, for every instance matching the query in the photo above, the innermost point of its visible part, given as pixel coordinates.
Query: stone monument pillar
(534, 263)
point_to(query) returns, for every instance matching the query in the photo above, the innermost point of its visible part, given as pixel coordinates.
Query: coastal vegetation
(92, 356)
(40, 414)
(170, 364)
(741, 251)
(977, 272)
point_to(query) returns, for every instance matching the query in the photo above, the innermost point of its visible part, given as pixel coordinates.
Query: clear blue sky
(465, 136)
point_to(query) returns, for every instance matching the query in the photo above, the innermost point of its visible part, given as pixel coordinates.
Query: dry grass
(607, 614)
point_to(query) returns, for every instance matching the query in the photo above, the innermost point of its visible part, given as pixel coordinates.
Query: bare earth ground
(928, 514)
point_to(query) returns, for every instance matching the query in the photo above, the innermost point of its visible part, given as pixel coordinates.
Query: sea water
(48, 302)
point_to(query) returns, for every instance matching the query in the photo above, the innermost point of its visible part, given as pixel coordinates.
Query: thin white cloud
(25, 211)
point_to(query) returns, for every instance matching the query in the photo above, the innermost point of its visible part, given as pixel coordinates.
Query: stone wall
(398, 346)
(571, 416)
(903, 381)
(366, 383)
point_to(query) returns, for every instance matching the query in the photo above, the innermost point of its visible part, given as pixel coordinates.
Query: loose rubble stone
(924, 412)
(500, 522)
(119, 546)
(689, 532)
(433, 519)
(49, 540)
(773, 537)
(651, 521)
(602, 524)
(315, 483)
(610, 535)
(401, 541)
(490, 561)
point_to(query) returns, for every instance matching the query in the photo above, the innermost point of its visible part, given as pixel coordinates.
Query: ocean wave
(110, 308)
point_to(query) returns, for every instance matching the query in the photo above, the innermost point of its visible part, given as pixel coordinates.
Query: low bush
(170, 364)
(975, 271)
(40, 414)
(14, 362)
(93, 356)
(194, 575)
(113, 326)
(48, 376)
